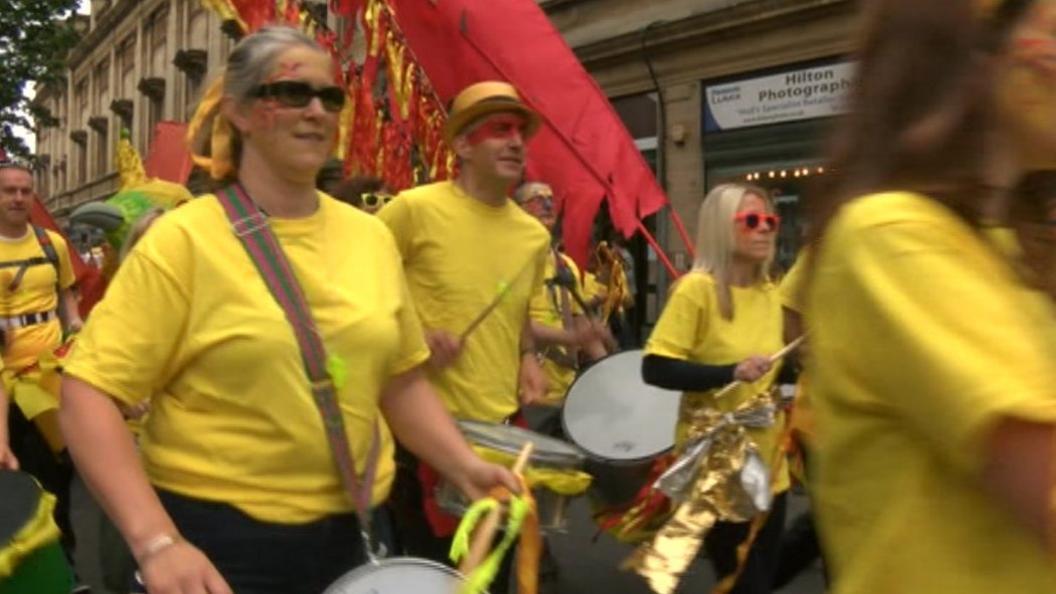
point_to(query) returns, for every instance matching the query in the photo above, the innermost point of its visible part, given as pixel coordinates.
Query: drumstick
(788, 348)
(481, 543)
(483, 315)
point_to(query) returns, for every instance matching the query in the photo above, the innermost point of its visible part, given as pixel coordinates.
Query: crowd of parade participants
(279, 380)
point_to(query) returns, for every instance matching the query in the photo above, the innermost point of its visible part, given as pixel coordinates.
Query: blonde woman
(721, 322)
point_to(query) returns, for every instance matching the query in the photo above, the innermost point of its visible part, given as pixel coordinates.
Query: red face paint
(501, 126)
(264, 113)
(1039, 52)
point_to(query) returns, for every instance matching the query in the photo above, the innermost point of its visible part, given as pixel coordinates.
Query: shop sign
(817, 92)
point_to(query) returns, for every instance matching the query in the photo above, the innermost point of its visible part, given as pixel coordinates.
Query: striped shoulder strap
(251, 227)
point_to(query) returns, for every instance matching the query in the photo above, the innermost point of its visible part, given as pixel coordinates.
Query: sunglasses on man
(372, 199)
(297, 93)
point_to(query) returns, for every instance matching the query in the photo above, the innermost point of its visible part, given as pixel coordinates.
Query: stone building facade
(141, 61)
(711, 90)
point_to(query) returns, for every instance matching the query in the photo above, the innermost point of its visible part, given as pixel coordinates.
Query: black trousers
(414, 537)
(758, 575)
(54, 472)
(264, 558)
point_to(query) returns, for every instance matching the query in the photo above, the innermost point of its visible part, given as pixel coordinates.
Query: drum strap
(250, 225)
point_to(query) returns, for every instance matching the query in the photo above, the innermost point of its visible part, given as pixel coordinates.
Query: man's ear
(462, 147)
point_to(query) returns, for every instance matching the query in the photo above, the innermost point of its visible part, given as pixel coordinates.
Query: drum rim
(575, 457)
(591, 455)
(371, 566)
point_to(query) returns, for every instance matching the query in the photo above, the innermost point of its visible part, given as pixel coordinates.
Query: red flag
(583, 149)
(169, 159)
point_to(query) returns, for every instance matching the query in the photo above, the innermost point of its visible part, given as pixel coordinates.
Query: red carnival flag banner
(583, 149)
(169, 158)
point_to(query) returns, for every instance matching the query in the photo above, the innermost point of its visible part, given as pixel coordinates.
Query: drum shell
(617, 483)
(548, 453)
(398, 575)
(551, 507)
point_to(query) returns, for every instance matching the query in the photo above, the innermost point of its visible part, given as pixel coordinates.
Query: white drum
(399, 575)
(621, 422)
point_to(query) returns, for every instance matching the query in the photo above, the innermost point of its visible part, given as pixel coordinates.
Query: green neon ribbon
(478, 581)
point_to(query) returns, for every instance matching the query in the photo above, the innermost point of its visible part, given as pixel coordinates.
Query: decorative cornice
(736, 21)
(192, 62)
(99, 123)
(96, 37)
(122, 108)
(153, 87)
(232, 29)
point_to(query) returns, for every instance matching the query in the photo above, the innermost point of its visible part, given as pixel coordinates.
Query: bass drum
(622, 423)
(399, 575)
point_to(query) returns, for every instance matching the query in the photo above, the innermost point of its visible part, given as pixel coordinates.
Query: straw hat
(484, 98)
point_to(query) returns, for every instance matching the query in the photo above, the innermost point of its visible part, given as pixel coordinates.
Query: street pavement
(586, 565)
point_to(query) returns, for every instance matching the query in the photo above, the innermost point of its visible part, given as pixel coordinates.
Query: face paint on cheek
(264, 114)
(1027, 96)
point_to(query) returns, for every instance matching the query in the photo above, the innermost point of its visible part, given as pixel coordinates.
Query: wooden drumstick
(495, 301)
(485, 533)
(788, 348)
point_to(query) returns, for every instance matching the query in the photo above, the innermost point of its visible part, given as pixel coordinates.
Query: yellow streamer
(481, 577)
(220, 163)
(568, 482)
(129, 165)
(225, 10)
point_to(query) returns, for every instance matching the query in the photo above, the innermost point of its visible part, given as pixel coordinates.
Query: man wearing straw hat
(473, 261)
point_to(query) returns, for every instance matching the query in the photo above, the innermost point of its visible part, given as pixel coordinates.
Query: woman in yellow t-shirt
(931, 362)
(721, 323)
(240, 490)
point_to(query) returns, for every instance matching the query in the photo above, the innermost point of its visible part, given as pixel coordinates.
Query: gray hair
(249, 64)
(254, 57)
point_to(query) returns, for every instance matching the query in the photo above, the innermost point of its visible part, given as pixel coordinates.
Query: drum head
(510, 440)
(21, 496)
(399, 575)
(615, 416)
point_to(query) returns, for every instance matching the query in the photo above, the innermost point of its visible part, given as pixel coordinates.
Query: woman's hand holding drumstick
(754, 364)
(485, 534)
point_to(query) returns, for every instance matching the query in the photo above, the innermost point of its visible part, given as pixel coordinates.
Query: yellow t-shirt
(36, 293)
(459, 254)
(189, 322)
(791, 291)
(545, 308)
(692, 329)
(922, 338)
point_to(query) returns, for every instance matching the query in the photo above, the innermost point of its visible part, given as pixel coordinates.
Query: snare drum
(622, 423)
(507, 441)
(400, 575)
(31, 559)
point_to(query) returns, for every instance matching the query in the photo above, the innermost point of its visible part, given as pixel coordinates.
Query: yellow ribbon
(129, 164)
(36, 392)
(569, 482)
(219, 163)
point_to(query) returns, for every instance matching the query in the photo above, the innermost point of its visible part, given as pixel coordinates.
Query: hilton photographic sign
(808, 93)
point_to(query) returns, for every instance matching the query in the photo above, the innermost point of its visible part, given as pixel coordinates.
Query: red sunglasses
(752, 220)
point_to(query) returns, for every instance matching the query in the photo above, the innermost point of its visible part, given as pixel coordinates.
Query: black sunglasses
(297, 93)
(372, 199)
